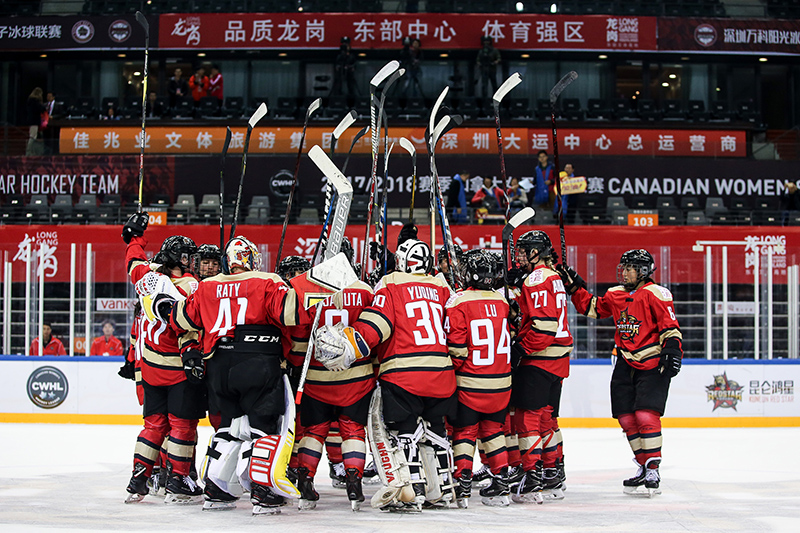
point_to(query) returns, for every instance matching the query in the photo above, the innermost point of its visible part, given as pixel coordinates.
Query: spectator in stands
(33, 120)
(457, 198)
(345, 70)
(177, 88)
(199, 85)
(108, 344)
(215, 84)
(410, 59)
(517, 197)
(790, 201)
(110, 114)
(488, 59)
(543, 182)
(490, 197)
(155, 109)
(50, 133)
(568, 172)
(52, 346)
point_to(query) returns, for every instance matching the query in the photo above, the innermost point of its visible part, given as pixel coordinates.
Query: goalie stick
(344, 195)
(310, 111)
(141, 19)
(412, 151)
(555, 92)
(222, 189)
(254, 119)
(512, 81)
(518, 219)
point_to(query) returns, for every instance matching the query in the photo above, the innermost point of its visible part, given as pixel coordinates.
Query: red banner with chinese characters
(449, 31)
(472, 141)
(729, 35)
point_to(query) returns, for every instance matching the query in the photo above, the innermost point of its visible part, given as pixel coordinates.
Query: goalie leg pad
(221, 461)
(240, 428)
(439, 467)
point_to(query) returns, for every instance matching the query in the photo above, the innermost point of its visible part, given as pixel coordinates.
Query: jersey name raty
(228, 290)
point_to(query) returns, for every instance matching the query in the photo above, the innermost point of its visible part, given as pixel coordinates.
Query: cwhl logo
(628, 326)
(725, 392)
(47, 387)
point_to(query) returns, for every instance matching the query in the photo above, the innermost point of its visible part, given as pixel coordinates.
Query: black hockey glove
(135, 226)
(514, 317)
(127, 371)
(572, 280)
(516, 277)
(375, 250)
(194, 365)
(163, 305)
(408, 232)
(671, 356)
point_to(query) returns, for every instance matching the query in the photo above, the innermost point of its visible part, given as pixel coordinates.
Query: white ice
(73, 478)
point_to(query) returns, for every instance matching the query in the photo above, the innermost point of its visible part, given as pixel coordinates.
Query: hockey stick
(140, 18)
(554, 94)
(428, 135)
(512, 81)
(257, 116)
(344, 194)
(412, 151)
(517, 220)
(313, 107)
(222, 189)
(382, 230)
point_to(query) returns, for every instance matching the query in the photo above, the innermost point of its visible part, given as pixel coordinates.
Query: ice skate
(482, 476)
(497, 493)
(529, 489)
(652, 478)
(308, 495)
(553, 489)
(354, 492)
(562, 473)
(338, 480)
(264, 501)
(182, 490)
(216, 499)
(463, 489)
(515, 474)
(632, 484)
(137, 486)
(370, 476)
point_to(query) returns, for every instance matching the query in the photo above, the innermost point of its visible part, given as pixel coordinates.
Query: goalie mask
(639, 260)
(536, 241)
(292, 266)
(479, 269)
(176, 252)
(207, 261)
(414, 257)
(242, 253)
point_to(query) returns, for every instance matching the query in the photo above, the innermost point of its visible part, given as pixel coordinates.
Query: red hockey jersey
(405, 327)
(480, 345)
(645, 318)
(544, 333)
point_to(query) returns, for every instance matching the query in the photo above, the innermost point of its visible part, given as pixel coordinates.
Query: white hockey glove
(338, 347)
(158, 295)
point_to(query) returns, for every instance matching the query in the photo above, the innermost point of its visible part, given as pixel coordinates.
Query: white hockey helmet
(240, 252)
(414, 257)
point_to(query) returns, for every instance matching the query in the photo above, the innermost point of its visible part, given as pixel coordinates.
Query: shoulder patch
(662, 293)
(535, 277)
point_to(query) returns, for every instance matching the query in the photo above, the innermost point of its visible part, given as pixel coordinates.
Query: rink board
(705, 394)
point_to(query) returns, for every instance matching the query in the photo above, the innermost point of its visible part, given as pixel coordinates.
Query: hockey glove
(409, 232)
(375, 251)
(338, 347)
(514, 315)
(572, 280)
(671, 356)
(516, 277)
(135, 226)
(127, 371)
(193, 365)
(163, 304)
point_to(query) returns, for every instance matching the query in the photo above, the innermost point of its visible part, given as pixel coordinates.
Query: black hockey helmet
(479, 269)
(536, 241)
(205, 251)
(442, 254)
(176, 252)
(292, 266)
(642, 261)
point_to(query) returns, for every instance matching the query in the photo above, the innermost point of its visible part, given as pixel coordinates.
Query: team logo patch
(82, 31)
(47, 387)
(628, 326)
(725, 392)
(119, 31)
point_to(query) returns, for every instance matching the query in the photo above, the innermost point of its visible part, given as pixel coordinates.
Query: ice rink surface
(72, 478)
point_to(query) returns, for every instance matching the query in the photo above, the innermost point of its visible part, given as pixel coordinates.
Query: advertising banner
(121, 32)
(728, 35)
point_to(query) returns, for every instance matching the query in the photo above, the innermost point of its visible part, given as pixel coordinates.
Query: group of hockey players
(422, 368)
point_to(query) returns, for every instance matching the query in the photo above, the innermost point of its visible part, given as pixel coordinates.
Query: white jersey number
(224, 323)
(429, 320)
(482, 335)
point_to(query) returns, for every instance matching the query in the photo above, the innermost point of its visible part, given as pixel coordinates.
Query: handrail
(774, 141)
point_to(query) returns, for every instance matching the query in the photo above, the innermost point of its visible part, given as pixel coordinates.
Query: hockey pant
(180, 435)
(643, 429)
(334, 444)
(533, 428)
(493, 446)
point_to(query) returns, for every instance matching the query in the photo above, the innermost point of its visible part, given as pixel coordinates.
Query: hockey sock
(528, 424)
(310, 451)
(148, 445)
(512, 442)
(491, 433)
(354, 447)
(631, 428)
(650, 433)
(180, 446)
(549, 444)
(464, 448)
(333, 444)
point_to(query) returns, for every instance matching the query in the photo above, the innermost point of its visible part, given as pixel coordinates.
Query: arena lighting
(137, 73)
(553, 8)
(762, 59)
(602, 56)
(201, 54)
(525, 56)
(665, 84)
(444, 54)
(520, 6)
(673, 76)
(121, 55)
(282, 54)
(362, 54)
(43, 55)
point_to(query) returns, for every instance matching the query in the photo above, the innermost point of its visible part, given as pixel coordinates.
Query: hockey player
(649, 353)
(172, 404)
(543, 345)
(480, 345)
(404, 327)
(206, 262)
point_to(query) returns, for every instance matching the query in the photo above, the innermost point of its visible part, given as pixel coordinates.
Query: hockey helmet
(641, 261)
(536, 241)
(176, 252)
(206, 251)
(240, 252)
(414, 257)
(292, 266)
(442, 254)
(479, 269)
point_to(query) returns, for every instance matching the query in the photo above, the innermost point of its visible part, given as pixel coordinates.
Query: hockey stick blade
(455, 121)
(517, 220)
(384, 73)
(257, 116)
(141, 19)
(436, 106)
(408, 145)
(327, 167)
(512, 81)
(316, 104)
(561, 85)
(345, 123)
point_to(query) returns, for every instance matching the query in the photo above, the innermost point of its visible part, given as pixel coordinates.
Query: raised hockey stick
(382, 229)
(222, 189)
(254, 119)
(512, 81)
(140, 18)
(313, 107)
(554, 94)
(344, 195)
(412, 151)
(516, 221)
(428, 135)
